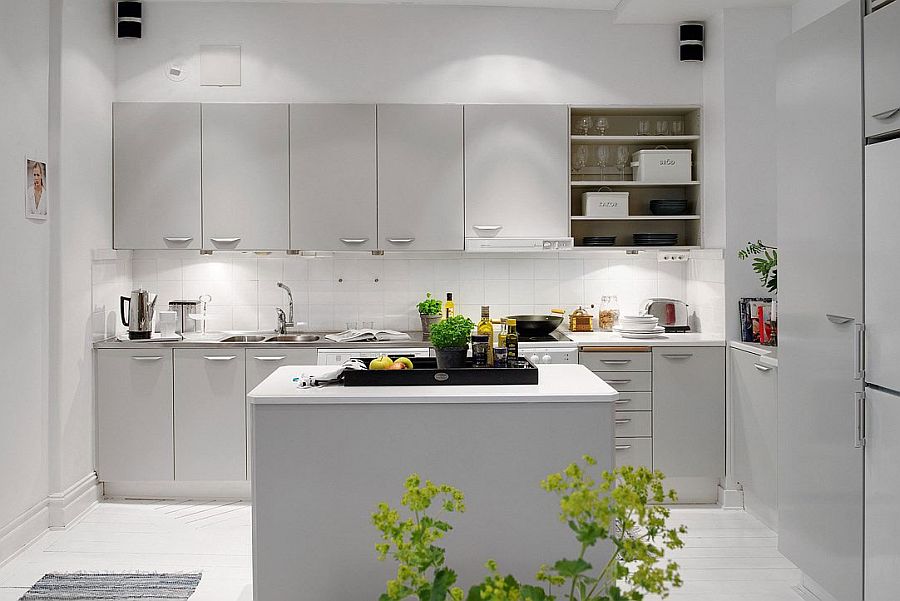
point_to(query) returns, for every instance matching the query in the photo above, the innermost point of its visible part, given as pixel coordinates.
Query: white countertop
(615, 339)
(768, 355)
(565, 383)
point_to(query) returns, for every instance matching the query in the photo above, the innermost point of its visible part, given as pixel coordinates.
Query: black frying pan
(536, 325)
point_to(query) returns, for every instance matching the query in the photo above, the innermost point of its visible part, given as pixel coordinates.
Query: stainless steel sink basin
(294, 338)
(252, 338)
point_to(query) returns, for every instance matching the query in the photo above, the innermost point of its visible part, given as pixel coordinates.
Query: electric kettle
(139, 318)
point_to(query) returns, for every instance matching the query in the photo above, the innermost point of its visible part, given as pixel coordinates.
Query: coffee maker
(139, 317)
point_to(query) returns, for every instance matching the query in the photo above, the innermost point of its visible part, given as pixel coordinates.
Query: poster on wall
(36, 198)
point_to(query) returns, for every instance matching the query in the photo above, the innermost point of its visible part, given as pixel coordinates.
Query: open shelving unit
(623, 125)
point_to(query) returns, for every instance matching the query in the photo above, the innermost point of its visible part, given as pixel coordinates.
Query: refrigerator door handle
(838, 319)
(859, 355)
(859, 420)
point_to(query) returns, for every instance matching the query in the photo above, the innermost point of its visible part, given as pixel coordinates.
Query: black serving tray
(426, 373)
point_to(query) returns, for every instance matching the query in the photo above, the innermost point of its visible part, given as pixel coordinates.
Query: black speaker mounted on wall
(690, 35)
(128, 19)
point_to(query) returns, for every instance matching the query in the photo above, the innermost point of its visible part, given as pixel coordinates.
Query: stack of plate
(664, 206)
(655, 239)
(599, 240)
(639, 326)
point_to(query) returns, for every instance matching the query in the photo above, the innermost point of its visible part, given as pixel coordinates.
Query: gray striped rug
(96, 586)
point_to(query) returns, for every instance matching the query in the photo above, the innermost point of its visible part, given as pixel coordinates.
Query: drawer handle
(178, 239)
(269, 358)
(679, 356)
(148, 358)
(622, 402)
(762, 367)
(228, 358)
(618, 381)
(838, 319)
(487, 228)
(354, 240)
(225, 240)
(401, 240)
(615, 361)
(623, 447)
(622, 422)
(886, 115)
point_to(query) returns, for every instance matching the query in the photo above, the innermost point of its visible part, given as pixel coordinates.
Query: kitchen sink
(252, 338)
(294, 338)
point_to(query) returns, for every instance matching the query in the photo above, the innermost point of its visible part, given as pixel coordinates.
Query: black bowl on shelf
(598, 241)
(655, 239)
(668, 207)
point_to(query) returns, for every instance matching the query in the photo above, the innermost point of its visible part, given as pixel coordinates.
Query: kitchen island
(323, 459)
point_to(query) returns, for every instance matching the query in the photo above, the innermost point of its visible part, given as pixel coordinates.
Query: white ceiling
(627, 11)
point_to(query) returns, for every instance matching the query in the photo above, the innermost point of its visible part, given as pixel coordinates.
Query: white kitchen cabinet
(754, 395)
(246, 181)
(210, 415)
(517, 170)
(882, 65)
(689, 412)
(135, 415)
(156, 181)
(334, 187)
(420, 177)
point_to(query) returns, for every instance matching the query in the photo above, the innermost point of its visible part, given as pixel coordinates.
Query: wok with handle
(538, 325)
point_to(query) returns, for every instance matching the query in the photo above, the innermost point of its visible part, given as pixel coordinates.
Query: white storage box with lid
(604, 204)
(662, 165)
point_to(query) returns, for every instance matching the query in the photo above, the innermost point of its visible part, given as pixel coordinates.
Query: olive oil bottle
(449, 306)
(486, 328)
(512, 344)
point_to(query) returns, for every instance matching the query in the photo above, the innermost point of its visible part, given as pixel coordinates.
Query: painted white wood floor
(728, 555)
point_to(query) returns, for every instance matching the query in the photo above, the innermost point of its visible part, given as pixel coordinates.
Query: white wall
(24, 247)
(333, 53)
(805, 12)
(83, 92)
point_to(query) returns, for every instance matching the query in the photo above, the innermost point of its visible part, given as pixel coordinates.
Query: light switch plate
(665, 256)
(220, 65)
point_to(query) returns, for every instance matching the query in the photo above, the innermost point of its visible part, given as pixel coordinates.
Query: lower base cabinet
(210, 415)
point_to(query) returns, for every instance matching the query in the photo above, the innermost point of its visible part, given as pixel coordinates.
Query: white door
(210, 415)
(420, 177)
(517, 170)
(820, 209)
(882, 492)
(246, 182)
(882, 248)
(156, 175)
(882, 65)
(334, 186)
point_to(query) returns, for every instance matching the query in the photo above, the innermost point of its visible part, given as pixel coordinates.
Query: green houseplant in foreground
(765, 265)
(622, 509)
(429, 313)
(451, 340)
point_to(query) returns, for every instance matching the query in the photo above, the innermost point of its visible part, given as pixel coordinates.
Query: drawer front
(627, 381)
(635, 401)
(634, 451)
(609, 361)
(634, 423)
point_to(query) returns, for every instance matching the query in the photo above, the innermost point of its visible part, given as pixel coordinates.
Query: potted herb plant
(429, 313)
(451, 341)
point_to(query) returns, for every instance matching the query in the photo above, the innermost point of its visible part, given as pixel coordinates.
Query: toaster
(672, 313)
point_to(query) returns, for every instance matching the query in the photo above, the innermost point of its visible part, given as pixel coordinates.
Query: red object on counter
(763, 335)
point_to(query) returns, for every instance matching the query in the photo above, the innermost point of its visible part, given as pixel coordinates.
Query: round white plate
(633, 330)
(640, 335)
(639, 317)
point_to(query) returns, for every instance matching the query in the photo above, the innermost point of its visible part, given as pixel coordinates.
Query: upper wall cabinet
(882, 66)
(517, 159)
(334, 202)
(420, 177)
(246, 182)
(156, 183)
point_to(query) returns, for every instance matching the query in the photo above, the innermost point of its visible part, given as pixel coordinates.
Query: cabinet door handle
(615, 361)
(622, 422)
(622, 402)
(401, 240)
(269, 358)
(859, 355)
(618, 381)
(859, 420)
(354, 240)
(222, 358)
(762, 367)
(887, 115)
(225, 240)
(487, 228)
(623, 447)
(147, 358)
(678, 356)
(178, 239)
(838, 319)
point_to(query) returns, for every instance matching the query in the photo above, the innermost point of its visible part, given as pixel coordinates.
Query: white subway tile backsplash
(571, 269)
(546, 269)
(244, 270)
(496, 292)
(321, 268)
(521, 269)
(270, 268)
(496, 269)
(521, 292)
(546, 292)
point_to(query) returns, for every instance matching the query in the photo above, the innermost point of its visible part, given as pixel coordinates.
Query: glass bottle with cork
(449, 306)
(486, 328)
(512, 344)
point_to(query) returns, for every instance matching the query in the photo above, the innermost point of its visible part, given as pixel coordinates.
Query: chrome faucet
(284, 324)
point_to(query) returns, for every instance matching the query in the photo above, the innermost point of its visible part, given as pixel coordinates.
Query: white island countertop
(566, 383)
(614, 339)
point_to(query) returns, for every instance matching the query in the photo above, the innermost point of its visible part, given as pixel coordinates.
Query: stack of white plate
(639, 326)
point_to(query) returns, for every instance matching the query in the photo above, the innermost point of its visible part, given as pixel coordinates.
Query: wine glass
(600, 125)
(579, 161)
(662, 128)
(582, 125)
(601, 158)
(622, 156)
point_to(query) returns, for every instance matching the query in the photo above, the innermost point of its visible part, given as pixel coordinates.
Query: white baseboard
(731, 498)
(23, 530)
(66, 506)
(207, 491)
(694, 491)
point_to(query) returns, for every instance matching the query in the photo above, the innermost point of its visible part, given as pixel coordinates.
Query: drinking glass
(601, 158)
(600, 125)
(582, 125)
(677, 127)
(662, 128)
(643, 127)
(622, 156)
(580, 160)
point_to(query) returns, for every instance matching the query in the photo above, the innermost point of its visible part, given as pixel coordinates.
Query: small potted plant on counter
(430, 313)
(451, 341)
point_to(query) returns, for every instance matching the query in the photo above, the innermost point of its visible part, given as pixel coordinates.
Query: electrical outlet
(672, 256)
